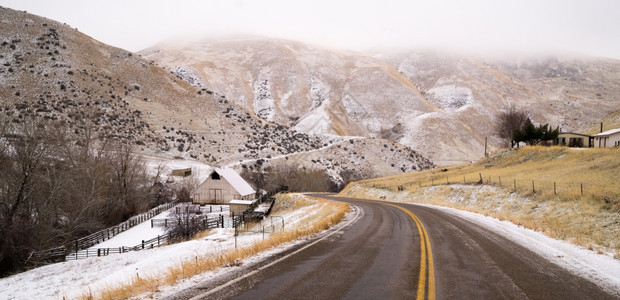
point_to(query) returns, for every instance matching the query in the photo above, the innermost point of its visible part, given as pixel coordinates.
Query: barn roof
(609, 132)
(241, 186)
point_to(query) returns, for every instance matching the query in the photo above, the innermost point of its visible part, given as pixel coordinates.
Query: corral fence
(198, 224)
(58, 254)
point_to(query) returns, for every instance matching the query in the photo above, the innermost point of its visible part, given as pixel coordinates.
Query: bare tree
(187, 221)
(23, 201)
(509, 121)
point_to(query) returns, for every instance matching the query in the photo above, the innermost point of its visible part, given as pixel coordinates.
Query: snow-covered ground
(72, 278)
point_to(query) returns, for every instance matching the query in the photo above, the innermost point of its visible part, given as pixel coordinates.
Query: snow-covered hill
(442, 105)
(53, 72)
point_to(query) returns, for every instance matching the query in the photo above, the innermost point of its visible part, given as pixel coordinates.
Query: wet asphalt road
(382, 256)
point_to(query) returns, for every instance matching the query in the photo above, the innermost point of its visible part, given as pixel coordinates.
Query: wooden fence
(160, 240)
(60, 253)
(108, 233)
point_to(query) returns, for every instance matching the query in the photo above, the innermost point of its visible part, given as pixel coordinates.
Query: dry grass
(327, 214)
(591, 220)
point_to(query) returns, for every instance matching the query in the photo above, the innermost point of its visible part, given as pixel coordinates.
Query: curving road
(403, 251)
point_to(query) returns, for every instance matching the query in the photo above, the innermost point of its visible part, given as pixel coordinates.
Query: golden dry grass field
(570, 194)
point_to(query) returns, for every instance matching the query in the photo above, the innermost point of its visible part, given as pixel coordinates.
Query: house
(572, 139)
(609, 138)
(222, 186)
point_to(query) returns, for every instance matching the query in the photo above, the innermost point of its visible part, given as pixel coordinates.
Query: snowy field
(73, 278)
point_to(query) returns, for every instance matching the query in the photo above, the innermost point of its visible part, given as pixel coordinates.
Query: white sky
(590, 27)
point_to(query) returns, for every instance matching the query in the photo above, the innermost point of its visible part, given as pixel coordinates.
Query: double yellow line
(426, 260)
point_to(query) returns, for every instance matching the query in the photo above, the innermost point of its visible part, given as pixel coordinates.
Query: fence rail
(60, 253)
(108, 233)
(160, 240)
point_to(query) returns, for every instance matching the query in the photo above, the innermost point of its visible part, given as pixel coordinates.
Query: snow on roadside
(603, 270)
(71, 279)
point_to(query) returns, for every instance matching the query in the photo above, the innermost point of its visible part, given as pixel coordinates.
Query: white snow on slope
(317, 120)
(450, 96)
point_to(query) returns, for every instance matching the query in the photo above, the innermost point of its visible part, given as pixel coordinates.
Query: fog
(508, 26)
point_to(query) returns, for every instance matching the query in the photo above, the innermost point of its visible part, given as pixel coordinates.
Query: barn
(222, 186)
(609, 138)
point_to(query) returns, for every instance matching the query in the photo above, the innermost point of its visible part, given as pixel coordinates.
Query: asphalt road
(404, 251)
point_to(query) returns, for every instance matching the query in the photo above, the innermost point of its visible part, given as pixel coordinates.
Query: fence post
(151, 223)
(515, 184)
(165, 223)
(554, 190)
(142, 244)
(500, 181)
(533, 188)
(582, 189)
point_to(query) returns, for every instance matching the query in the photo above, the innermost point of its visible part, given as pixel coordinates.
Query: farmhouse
(572, 139)
(222, 186)
(609, 138)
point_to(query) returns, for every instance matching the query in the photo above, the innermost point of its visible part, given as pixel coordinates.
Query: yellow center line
(425, 256)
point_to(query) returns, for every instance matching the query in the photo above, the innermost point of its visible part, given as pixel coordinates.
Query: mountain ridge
(440, 104)
(53, 72)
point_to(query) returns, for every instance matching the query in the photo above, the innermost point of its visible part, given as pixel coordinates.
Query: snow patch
(264, 106)
(450, 96)
(190, 75)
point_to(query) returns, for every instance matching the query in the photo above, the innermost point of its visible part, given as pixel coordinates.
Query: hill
(570, 194)
(440, 104)
(53, 72)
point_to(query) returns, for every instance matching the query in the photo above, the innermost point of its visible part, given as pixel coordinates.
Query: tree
(24, 201)
(509, 121)
(533, 135)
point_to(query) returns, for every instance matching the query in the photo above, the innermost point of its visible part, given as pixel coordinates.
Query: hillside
(54, 72)
(570, 194)
(440, 104)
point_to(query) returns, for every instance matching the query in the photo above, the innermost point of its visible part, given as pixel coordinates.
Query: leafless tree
(509, 121)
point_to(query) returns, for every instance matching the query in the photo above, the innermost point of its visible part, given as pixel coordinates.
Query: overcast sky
(590, 27)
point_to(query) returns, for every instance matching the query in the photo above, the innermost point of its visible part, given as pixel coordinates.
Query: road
(404, 251)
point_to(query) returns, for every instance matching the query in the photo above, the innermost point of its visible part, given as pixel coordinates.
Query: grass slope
(537, 187)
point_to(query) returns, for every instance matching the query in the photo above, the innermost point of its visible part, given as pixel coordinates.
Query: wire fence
(547, 187)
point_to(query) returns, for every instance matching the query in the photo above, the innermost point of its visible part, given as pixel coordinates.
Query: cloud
(477, 25)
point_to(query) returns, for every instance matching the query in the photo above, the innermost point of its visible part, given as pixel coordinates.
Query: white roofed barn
(222, 186)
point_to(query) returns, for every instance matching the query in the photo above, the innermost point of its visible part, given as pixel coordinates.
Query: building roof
(573, 133)
(608, 132)
(244, 202)
(241, 186)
